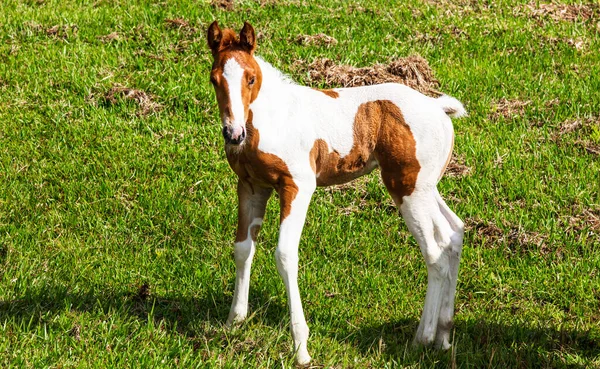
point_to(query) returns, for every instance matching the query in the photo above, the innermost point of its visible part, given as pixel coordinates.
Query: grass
(117, 215)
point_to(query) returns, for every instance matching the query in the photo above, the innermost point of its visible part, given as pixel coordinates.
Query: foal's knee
(243, 251)
(286, 260)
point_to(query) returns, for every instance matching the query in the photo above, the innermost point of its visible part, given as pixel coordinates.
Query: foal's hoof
(234, 320)
(303, 359)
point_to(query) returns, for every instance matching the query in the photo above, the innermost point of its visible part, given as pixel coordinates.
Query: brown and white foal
(291, 138)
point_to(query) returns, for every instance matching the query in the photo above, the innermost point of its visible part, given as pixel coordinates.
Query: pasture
(118, 211)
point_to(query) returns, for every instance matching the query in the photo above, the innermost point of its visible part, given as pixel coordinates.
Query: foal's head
(235, 76)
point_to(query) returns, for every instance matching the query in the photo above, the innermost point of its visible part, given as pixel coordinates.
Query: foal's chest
(257, 167)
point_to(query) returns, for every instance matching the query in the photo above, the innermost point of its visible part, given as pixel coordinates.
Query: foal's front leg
(294, 204)
(252, 202)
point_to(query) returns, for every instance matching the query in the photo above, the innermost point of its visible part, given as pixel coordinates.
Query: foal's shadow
(475, 342)
(186, 315)
(478, 343)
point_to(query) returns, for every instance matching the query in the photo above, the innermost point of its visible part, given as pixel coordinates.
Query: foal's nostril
(230, 138)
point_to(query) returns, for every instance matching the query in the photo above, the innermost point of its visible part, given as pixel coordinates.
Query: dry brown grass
(456, 167)
(62, 31)
(413, 71)
(578, 43)
(582, 130)
(514, 237)
(583, 218)
(144, 100)
(509, 108)
(562, 12)
(114, 36)
(179, 24)
(320, 39)
(436, 34)
(222, 4)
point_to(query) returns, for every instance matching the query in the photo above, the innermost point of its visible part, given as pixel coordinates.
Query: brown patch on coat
(396, 150)
(380, 136)
(262, 169)
(329, 92)
(413, 71)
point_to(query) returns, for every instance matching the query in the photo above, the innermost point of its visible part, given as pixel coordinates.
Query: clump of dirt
(562, 12)
(437, 34)
(144, 100)
(456, 168)
(179, 24)
(517, 239)
(222, 4)
(62, 32)
(582, 219)
(413, 71)
(109, 38)
(76, 332)
(576, 43)
(510, 108)
(320, 39)
(583, 128)
(143, 292)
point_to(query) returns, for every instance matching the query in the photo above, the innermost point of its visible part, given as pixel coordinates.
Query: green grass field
(117, 214)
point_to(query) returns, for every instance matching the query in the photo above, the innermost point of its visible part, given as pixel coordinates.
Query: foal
(291, 138)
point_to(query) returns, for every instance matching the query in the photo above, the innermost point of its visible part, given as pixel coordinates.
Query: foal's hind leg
(433, 233)
(445, 320)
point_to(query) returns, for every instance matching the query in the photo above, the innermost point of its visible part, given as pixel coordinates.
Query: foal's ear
(214, 36)
(247, 38)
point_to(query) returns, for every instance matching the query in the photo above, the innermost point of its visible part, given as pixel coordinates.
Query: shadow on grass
(475, 342)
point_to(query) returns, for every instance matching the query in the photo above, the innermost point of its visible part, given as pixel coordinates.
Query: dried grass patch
(460, 7)
(413, 71)
(320, 39)
(222, 4)
(436, 34)
(582, 219)
(62, 32)
(583, 129)
(456, 168)
(144, 100)
(562, 12)
(510, 108)
(517, 239)
(579, 43)
(109, 38)
(179, 24)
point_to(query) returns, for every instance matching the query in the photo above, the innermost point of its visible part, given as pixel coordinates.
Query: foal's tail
(451, 106)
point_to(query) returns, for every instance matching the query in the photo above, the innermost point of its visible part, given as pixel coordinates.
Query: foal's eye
(251, 82)
(213, 81)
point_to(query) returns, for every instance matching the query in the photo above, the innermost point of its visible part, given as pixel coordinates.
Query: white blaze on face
(233, 74)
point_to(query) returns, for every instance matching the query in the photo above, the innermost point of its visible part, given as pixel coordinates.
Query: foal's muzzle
(231, 138)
